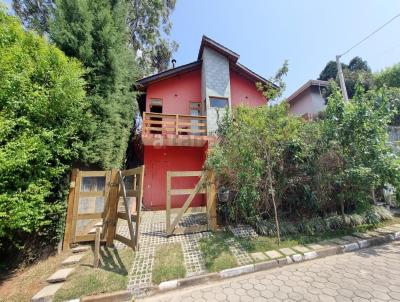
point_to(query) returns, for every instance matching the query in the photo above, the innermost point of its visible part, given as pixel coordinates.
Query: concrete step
(73, 259)
(60, 275)
(46, 294)
(80, 248)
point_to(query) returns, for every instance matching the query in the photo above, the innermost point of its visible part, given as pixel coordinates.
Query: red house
(180, 108)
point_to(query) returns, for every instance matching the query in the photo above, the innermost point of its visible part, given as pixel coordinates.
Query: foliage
(216, 253)
(317, 225)
(315, 169)
(356, 72)
(250, 158)
(275, 87)
(148, 23)
(96, 34)
(389, 77)
(34, 14)
(356, 132)
(168, 263)
(42, 117)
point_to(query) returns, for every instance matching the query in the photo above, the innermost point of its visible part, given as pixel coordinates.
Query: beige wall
(309, 101)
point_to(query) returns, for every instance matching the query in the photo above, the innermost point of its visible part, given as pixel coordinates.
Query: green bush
(324, 168)
(318, 225)
(42, 113)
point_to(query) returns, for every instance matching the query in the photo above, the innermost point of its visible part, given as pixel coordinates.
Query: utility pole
(341, 79)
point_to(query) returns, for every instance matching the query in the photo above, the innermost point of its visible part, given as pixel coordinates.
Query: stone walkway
(371, 274)
(153, 234)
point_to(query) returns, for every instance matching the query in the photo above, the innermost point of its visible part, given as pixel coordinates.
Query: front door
(159, 184)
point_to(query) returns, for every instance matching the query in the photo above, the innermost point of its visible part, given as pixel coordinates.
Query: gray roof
(308, 84)
(205, 41)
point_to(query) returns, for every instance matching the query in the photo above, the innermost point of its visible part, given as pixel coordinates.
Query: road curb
(119, 296)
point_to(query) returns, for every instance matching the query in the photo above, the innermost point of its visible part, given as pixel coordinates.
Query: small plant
(216, 253)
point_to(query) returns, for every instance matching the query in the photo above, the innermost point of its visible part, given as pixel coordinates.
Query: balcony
(174, 130)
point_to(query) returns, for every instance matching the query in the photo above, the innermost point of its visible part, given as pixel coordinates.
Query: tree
(42, 119)
(34, 14)
(357, 71)
(95, 33)
(356, 132)
(148, 22)
(389, 76)
(330, 71)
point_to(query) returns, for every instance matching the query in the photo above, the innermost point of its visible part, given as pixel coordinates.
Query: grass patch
(111, 275)
(264, 243)
(168, 263)
(216, 252)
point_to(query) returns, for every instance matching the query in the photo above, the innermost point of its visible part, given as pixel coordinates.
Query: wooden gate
(206, 184)
(130, 186)
(94, 201)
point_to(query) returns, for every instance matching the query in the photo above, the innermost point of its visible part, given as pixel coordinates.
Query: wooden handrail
(175, 124)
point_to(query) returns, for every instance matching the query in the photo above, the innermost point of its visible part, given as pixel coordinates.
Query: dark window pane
(218, 102)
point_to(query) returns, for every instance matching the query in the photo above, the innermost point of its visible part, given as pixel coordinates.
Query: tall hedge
(42, 105)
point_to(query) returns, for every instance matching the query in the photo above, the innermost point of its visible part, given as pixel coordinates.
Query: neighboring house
(308, 100)
(180, 108)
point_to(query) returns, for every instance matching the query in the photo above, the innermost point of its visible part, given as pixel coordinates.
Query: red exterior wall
(158, 161)
(176, 92)
(244, 91)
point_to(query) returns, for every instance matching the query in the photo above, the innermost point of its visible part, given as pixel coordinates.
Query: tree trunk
(272, 191)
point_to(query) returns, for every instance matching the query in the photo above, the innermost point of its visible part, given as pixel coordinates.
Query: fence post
(96, 258)
(211, 202)
(111, 217)
(70, 209)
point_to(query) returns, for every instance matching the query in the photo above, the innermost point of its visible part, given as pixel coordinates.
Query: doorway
(156, 107)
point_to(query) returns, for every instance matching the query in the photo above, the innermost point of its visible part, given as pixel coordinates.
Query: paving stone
(60, 275)
(383, 231)
(243, 231)
(301, 249)
(73, 259)
(274, 254)
(80, 249)
(315, 246)
(259, 256)
(392, 228)
(362, 235)
(46, 294)
(338, 241)
(287, 251)
(373, 233)
(350, 238)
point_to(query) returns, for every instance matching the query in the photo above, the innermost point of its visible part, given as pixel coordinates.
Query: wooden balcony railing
(175, 124)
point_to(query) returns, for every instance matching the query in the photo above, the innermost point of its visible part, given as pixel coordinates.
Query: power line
(370, 35)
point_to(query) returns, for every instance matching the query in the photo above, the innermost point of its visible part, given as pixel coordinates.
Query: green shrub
(42, 114)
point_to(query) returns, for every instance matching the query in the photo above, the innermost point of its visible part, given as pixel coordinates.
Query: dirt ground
(22, 284)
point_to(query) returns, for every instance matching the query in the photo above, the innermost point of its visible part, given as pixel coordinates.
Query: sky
(307, 33)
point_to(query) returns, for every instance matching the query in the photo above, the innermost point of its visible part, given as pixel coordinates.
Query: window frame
(217, 98)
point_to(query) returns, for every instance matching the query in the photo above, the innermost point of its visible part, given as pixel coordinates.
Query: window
(218, 102)
(195, 108)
